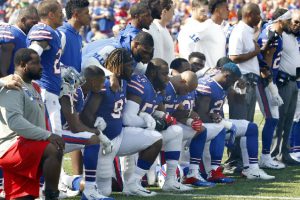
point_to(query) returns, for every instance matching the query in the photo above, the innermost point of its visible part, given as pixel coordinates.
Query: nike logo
(178, 188)
(145, 191)
(257, 176)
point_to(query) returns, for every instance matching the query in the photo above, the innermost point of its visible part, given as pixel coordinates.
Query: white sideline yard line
(230, 196)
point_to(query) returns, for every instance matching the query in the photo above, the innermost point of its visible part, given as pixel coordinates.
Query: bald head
(249, 8)
(27, 18)
(190, 79)
(251, 14)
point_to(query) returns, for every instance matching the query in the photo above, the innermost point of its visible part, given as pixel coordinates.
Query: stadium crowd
(134, 92)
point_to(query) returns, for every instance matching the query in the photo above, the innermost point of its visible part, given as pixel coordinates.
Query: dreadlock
(116, 60)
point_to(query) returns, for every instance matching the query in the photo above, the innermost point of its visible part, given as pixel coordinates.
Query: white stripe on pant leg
(53, 107)
(206, 157)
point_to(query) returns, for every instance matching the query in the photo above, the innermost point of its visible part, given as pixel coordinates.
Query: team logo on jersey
(194, 38)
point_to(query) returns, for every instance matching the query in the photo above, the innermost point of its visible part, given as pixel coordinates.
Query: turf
(285, 186)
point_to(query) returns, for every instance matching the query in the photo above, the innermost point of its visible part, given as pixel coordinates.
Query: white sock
(193, 169)
(253, 166)
(137, 175)
(215, 167)
(171, 168)
(89, 185)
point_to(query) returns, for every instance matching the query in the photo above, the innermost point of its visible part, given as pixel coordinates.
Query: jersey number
(149, 107)
(118, 109)
(56, 62)
(188, 104)
(217, 107)
(277, 61)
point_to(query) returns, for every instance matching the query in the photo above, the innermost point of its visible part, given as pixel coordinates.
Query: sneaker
(2, 194)
(267, 162)
(197, 180)
(295, 156)
(172, 184)
(217, 176)
(135, 188)
(41, 194)
(232, 167)
(66, 192)
(256, 173)
(93, 193)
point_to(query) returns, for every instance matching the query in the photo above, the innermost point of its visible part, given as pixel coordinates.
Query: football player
(44, 39)
(144, 97)
(80, 136)
(126, 140)
(180, 100)
(13, 37)
(211, 94)
(267, 92)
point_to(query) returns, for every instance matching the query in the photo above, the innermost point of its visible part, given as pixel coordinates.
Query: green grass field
(285, 186)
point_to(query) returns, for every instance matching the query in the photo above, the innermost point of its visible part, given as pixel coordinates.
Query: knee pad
(172, 132)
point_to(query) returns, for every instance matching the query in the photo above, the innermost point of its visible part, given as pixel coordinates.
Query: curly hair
(116, 60)
(73, 5)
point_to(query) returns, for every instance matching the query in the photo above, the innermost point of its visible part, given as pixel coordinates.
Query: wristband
(189, 121)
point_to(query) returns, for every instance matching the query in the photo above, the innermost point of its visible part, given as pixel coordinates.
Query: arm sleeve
(130, 115)
(11, 106)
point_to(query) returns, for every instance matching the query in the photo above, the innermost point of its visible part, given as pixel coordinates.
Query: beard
(159, 85)
(34, 76)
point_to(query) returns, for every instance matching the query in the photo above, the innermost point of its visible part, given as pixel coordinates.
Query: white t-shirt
(241, 42)
(163, 42)
(206, 37)
(290, 57)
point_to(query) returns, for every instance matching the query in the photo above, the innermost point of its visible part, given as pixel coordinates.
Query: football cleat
(267, 162)
(256, 173)
(93, 193)
(217, 176)
(171, 184)
(66, 192)
(197, 180)
(135, 188)
(295, 156)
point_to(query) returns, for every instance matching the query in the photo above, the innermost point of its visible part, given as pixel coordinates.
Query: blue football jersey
(262, 39)
(111, 109)
(12, 34)
(209, 87)
(95, 46)
(188, 101)
(50, 58)
(71, 55)
(171, 99)
(140, 86)
(127, 35)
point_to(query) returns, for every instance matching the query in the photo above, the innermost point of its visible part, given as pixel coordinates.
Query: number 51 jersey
(111, 109)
